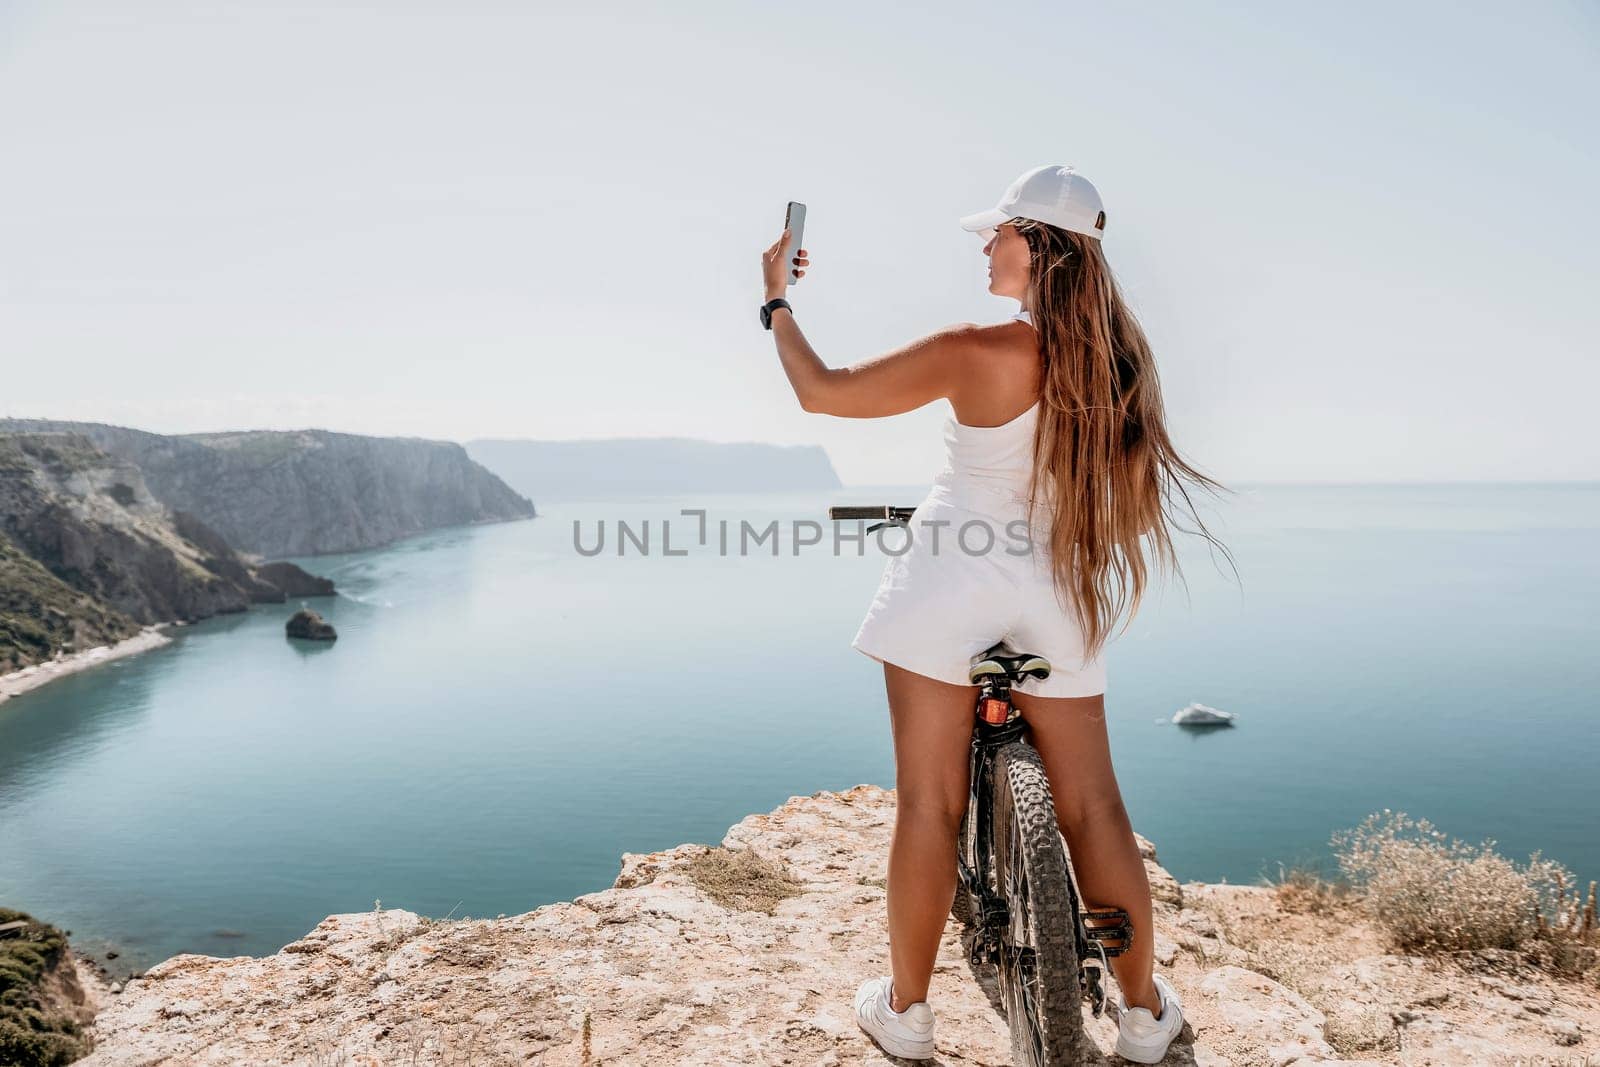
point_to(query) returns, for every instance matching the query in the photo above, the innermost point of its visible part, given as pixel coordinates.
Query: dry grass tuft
(1435, 894)
(1287, 964)
(742, 880)
(1358, 1036)
(1572, 918)
(1303, 890)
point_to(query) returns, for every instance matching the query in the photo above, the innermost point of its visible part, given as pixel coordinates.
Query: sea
(510, 707)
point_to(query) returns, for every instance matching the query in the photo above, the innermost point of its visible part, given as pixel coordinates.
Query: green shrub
(30, 1034)
(33, 1048)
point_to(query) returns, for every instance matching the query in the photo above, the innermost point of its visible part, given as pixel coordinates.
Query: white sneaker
(1141, 1036)
(908, 1034)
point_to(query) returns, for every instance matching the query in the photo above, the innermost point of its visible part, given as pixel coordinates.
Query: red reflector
(995, 710)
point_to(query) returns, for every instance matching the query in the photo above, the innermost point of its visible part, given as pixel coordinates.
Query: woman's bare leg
(1070, 734)
(932, 723)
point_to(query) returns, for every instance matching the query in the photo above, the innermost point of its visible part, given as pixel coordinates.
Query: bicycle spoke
(1027, 976)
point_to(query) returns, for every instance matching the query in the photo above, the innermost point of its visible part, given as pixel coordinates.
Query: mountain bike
(1016, 898)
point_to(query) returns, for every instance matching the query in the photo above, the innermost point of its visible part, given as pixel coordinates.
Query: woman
(1057, 434)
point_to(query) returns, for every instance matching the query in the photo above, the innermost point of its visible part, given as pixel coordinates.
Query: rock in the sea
(308, 624)
(293, 580)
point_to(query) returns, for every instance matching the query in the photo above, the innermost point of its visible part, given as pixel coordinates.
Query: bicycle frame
(1000, 723)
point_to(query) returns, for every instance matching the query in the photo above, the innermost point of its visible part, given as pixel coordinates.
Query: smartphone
(794, 220)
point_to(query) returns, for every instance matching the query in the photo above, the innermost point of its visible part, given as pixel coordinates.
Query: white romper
(966, 579)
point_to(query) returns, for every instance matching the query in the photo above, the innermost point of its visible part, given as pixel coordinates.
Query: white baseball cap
(1055, 193)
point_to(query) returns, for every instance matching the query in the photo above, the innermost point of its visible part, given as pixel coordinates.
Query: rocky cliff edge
(715, 956)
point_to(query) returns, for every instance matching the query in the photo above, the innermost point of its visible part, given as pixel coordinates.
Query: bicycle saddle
(1001, 659)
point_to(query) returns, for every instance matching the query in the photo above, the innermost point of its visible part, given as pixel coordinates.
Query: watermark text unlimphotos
(974, 536)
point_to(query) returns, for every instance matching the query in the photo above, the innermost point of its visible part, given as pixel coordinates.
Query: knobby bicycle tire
(961, 906)
(1040, 988)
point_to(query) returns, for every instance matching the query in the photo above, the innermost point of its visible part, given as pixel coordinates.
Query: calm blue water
(501, 717)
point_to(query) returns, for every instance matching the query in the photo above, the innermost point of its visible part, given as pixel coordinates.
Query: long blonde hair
(1102, 459)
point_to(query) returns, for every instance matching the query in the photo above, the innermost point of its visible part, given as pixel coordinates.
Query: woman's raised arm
(889, 384)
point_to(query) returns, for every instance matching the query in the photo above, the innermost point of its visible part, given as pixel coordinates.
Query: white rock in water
(1201, 715)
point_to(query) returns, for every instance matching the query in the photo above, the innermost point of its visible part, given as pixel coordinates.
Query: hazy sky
(1362, 237)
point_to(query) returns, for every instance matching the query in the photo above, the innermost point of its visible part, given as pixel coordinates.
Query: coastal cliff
(89, 557)
(749, 953)
(306, 492)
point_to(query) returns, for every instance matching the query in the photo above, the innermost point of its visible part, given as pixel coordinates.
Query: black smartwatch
(769, 307)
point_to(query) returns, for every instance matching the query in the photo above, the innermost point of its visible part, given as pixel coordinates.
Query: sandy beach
(32, 677)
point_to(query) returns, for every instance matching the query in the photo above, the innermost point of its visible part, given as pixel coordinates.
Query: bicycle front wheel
(1038, 965)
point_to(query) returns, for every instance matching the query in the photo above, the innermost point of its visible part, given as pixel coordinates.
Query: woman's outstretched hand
(775, 272)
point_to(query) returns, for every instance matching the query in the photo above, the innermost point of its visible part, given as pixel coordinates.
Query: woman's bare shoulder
(988, 336)
(1002, 372)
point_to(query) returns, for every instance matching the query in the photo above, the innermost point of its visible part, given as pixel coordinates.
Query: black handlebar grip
(858, 512)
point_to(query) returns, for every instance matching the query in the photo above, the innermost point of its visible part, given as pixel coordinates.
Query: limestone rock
(1566, 1032)
(655, 971)
(1283, 1022)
